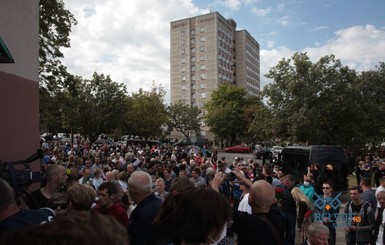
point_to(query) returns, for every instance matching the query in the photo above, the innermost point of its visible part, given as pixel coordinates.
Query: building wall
(19, 85)
(207, 51)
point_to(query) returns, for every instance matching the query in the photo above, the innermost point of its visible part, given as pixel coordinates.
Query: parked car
(238, 149)
(260, 151)
(200, 141)
(276, 150)
(102, 142)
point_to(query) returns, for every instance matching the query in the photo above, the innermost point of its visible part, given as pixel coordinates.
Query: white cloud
(128, 40)
(260, 12)
(318, 28)
(284, 20)
(359, 47)
(232, 4)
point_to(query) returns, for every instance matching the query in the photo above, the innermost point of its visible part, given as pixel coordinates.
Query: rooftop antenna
(212, 7)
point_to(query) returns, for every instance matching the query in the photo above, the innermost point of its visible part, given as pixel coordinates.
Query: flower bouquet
(279, 196)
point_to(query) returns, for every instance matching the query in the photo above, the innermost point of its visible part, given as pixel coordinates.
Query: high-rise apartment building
(207, 51)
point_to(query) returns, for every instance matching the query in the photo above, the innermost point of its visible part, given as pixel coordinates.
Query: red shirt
(116, 211)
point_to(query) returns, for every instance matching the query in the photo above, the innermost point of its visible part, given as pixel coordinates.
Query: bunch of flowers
(279, 195)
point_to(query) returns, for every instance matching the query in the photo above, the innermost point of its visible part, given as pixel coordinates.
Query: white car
(276, 150)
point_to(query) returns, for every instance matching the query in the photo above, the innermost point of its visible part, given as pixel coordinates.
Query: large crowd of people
(135, 194)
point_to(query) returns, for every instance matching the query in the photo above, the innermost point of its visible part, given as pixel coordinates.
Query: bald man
(266, 224)
(140, 191)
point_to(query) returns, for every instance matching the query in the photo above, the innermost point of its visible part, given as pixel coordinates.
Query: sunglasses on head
(57, 205)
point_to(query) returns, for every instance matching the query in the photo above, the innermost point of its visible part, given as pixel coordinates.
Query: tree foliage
(148, 112)
(371, 87)
(102, 105)
(314, 103)
(184, 117)
(226, 112)
(55, 25)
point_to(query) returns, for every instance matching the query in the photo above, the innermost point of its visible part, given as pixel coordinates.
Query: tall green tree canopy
(371, 85)
(55, 25)
(314, 102)
(147, 112)
(226, 112)
(184, 118)
(101, 106)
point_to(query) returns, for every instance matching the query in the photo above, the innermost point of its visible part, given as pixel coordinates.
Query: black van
(295, 160)
(200, 141)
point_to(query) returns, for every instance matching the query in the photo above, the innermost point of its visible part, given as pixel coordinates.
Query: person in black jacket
(266, 223)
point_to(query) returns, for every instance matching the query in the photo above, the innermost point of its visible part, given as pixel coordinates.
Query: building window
(193, 58)
(203, 38)
(183, 96)
(193, 96)
(192, 31)
(182, 51)
(193, 41)
(183, 78)
(193, 68)
(193, 86)
(183, 60)
(203, 76)
(203, 57)
(194, 77)
(202, 48)
(202, 29)
(183, 69)
(203, 95)
(182, 33)
(203, 67)
(182, 42)
(184, 87)
(203, 85)
(192, 50)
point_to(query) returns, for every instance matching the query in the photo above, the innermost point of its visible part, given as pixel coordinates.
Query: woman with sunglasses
(58, 203)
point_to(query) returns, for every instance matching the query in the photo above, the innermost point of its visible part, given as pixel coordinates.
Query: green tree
(55, 25)
(372, 91)
(313, 103)
(148, 112)
(260, 127)
(101, 106)
(226, 112)
(184, 118)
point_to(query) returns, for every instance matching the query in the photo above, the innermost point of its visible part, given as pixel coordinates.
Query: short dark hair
(197, 170)
(110, 187)
(354, 188)
(366, 181)
(328, 183)
(213, 209)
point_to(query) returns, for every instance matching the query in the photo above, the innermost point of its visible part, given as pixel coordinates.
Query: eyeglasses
(58, 205)
(327, 188)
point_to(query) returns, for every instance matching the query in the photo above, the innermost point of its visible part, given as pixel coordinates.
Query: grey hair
(317, 228)
(141, 181)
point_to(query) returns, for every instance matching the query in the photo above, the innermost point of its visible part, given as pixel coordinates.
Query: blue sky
(129, 40)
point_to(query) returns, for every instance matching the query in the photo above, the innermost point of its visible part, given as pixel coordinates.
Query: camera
(18, 174)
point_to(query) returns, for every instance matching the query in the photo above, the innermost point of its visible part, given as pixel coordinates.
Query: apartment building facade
(207, 51)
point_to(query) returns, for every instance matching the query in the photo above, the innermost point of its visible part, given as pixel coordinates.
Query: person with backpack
(360, 221)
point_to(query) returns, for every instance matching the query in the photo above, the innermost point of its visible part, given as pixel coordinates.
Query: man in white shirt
(380, 188)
